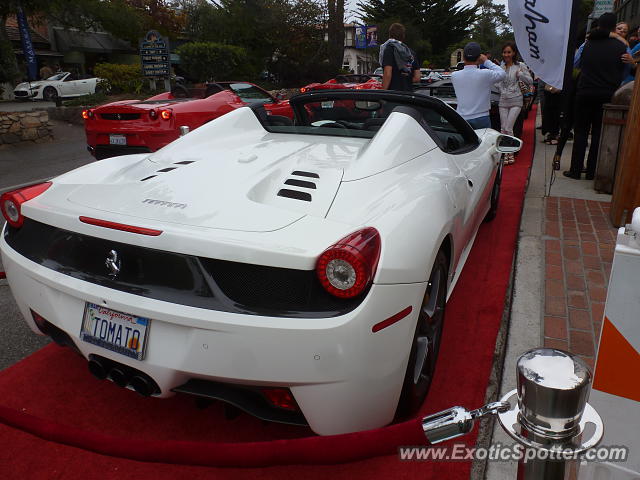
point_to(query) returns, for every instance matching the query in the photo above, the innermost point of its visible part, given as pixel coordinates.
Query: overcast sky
(351, 4)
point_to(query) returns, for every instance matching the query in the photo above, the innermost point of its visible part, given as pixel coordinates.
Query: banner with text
(542, 29)
(27, 45)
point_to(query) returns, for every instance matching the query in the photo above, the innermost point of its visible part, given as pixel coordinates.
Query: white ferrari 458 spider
(298, 270)
(63, 84)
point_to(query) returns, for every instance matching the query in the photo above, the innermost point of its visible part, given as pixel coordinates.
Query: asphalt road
(25, 106)
(32, 162)
(19, 165)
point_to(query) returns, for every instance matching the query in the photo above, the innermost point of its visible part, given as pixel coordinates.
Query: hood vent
(168, 169)
(305, 174)
(285, 192)
(296, 182)
(300, 183)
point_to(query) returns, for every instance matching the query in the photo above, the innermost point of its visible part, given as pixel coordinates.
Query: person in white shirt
(473, 86)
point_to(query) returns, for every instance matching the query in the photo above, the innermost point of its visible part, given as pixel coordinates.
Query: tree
(492, 27)
(283, 36)
(335, 34)
(432, 25)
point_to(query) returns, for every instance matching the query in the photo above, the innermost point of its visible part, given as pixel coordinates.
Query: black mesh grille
(120, 116)
(183, 279)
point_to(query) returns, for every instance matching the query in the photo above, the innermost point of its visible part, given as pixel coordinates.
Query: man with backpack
(399, 64)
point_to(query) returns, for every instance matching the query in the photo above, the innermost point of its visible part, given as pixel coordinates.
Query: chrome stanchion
(184, 129)
(550, 414)
(547, 413)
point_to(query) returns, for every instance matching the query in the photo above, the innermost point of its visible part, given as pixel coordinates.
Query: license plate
(328, 104)
(117, 140)
(116, 331)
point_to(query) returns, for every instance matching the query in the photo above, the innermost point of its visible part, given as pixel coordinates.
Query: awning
(67, 40)
(40, 53)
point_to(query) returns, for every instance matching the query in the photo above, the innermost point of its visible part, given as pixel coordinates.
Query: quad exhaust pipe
(122, 375)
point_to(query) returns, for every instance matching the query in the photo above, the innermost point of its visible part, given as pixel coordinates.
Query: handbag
(525, 88)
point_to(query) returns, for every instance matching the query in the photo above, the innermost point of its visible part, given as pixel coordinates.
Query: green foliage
(87, 100)
(281, 36)
(8, 68)
(492, 27)
(209, 61)
(118, 78)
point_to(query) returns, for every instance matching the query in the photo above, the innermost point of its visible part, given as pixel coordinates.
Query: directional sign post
(154, 54)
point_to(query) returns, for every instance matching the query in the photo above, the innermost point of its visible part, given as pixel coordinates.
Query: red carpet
(52, 395)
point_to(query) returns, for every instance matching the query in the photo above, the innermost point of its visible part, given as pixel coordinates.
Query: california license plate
(327, 104)
(117, 140)
(116, 331)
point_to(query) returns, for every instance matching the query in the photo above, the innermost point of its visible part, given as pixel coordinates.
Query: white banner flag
(541, 28)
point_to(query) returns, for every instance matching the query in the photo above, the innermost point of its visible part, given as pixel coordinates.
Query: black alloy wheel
(495, 195)
(426, 340)
(50, 94)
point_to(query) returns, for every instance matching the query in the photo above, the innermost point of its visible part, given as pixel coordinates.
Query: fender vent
(184, 162)
(168, 169)
(147, 178)
(300, 183)
(285, 192)
(305, 174)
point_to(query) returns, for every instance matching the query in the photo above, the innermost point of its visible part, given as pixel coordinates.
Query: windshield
(57, 76)
(250, 93)
(349, 117)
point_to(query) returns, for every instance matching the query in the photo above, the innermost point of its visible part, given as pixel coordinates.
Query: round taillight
(10, 202)
(87, 114)
(347, 268)
(11, 211)
(165, 114)
(302, 90)
(153, 114)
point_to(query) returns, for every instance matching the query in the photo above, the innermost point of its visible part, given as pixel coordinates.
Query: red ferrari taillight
(281, 398)
(303, 89)
(120, 226)
(346, 268)
(11, 202)
(165, 114)
(87, 114)
(153, 114)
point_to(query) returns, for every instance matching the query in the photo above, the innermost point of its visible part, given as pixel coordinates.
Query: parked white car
(62, 85)
(298, 270)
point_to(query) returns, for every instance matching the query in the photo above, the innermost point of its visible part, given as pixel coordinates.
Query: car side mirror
(508, 144)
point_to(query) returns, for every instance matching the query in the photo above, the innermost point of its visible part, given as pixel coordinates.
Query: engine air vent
(184, 162)
(305, 174)
(285, 192)
(168, 169)
(300, 183)
(147, 178)
(120, 116)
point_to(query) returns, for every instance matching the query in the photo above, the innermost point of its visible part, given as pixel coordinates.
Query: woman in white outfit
(510, 94)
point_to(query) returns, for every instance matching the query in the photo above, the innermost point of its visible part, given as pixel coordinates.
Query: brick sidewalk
(579, 245)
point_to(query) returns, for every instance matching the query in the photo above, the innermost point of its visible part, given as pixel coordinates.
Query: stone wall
(24, 127)
(67, 114)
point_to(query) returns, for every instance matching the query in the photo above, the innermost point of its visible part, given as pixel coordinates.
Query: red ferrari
(134, 126)
(350, 81)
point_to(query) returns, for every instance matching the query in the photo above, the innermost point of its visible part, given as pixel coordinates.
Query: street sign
(602, 6)
(154, 54)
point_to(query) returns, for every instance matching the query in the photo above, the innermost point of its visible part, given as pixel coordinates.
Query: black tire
(426, 340)
(98, 89)
(495, 195)
(50, 94)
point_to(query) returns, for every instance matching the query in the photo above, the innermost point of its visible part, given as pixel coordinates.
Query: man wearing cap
(473, 86)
